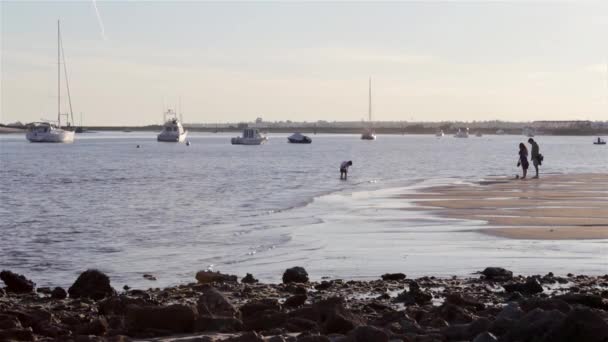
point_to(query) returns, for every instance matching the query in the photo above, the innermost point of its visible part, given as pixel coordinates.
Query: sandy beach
(554, 207)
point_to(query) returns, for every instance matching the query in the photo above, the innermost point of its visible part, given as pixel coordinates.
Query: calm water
(170, 209)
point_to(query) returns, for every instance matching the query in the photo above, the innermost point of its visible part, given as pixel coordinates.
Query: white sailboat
(369, 133)
(45, 131)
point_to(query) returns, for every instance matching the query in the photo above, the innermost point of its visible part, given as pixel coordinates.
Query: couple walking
(535, 157)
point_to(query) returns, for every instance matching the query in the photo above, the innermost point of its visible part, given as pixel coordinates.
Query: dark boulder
(295, 275)
(92, 284)
(497, 274)
(464, 300)
(175, 318)
(117, 305)
(530, 287)
(206, 277)
(393, 276)
(414, 296)
(333, 317)
(581, 324)
(97, 327)
(453, 314)
(17, 283)
(265, 320)
(485, 337)
(254, 307)
(366, 333)
(58, 293)
(546, 304)
(511, 311)
(590, 300)
(249, 279)
(295, 301)
(213, 303)
(218, 324)
(533, 326)
(251, 336)
(17, 335)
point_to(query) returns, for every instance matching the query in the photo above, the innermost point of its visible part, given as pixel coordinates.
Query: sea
(170, 210)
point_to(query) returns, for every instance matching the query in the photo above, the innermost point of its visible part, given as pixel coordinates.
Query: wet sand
(554, 207)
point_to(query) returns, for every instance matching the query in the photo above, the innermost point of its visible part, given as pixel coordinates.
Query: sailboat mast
(58, 76)
(370, 100)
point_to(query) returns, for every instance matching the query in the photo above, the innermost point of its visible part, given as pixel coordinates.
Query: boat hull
(246, 141)
(303, 141)
(54, 136)
(368, 137)
(178, 138)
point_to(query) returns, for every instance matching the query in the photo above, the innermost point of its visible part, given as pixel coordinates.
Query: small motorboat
(599, 141)
(251, 136)
(173, 131)
(298, 138)
(462, 133)
(478, 134)
(439, 133)
(500, 132)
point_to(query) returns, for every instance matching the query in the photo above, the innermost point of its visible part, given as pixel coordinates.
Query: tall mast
(58, 76)
(370, 100)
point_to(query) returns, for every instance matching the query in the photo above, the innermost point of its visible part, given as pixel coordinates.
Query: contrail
(103, 30)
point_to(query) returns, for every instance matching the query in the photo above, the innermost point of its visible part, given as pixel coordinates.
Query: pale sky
(231, 62)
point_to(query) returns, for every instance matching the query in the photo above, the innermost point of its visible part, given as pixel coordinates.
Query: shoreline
(554, 207)
(494, 305)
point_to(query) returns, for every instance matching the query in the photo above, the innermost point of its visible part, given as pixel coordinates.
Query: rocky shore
(493, 305)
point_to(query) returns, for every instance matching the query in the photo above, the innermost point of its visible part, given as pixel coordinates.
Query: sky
(306, 61)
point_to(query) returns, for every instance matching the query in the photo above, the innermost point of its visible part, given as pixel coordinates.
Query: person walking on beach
(344, 169)
(535, 155)
(523, 159)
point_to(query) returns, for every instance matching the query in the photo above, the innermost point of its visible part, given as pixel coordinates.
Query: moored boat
(251, 136)
(439, 133)
(46, 132)
(369, 133)
(599, 141)
(173, 131)
(462, 133)
(298, 138)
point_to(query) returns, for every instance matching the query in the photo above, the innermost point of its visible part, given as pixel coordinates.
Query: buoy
(187, 142)
(137, 146)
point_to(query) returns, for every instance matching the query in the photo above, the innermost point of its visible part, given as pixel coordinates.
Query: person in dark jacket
(344, 169)
(535, 155)
(523, 159)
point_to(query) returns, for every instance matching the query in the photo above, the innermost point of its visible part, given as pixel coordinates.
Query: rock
(590, 300)
(414, 296)
(297, 324)
(313, 338)
(251, 336)
(485, 337)
(17, 283)
(366, 333)
(497, 274)
(117, 305)
(393, 276)
(97, 327)
(464, 300)
(265, 320)
(91, 284)
(214, 303)
(546, 304)
(175, 318)
(149, 277)
(531, 286)
(249, 279)
(206, 277)
(333, 317)
(9, 322)
(533, 326)
(324, 285)
(218, 324)
(454, 314)
(511, 311)
(295, 275)
(58, 293)
(580, 324)
(295, 301)
(466, 332)
(17, 335)
(254, 307)
(2, 293)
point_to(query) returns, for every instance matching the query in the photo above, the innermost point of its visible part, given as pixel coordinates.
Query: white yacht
(500, 132)
(439, 133)
(369, 133)
(462, 133)
(251, 136)
(173, 131)
(45, 131)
